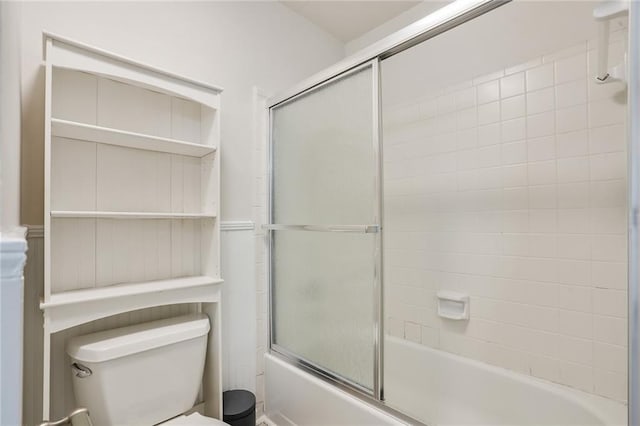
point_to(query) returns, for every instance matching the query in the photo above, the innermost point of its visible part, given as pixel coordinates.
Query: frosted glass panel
(324, 173)
(323, 158)
(323, 300)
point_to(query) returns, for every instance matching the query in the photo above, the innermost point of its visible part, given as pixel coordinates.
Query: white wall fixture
(604, 13)
(132, 172)
(13, 247)
(453, 305)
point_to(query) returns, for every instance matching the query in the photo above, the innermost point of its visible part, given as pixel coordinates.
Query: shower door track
(438, 22)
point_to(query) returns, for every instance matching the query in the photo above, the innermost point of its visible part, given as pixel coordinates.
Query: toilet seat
(195, 419)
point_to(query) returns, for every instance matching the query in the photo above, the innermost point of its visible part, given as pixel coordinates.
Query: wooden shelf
(124, 290)
(109, 136)
(70, 308)
(128, 215)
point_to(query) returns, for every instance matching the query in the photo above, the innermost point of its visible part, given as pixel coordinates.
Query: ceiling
(347, 20)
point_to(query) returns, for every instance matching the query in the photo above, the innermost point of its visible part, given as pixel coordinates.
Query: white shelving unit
(132, 190)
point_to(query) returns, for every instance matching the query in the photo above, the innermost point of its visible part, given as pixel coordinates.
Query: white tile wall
(512, 188)
(260, 218)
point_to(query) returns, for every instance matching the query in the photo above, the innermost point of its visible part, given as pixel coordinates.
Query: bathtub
(437, 388)
(445, 389)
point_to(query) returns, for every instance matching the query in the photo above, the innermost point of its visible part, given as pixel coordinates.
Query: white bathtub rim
(334, 390)
(608, 411)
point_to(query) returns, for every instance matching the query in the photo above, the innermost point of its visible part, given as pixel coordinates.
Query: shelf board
(70, 308)
(109, 136)
(126, 290)
(128, 215)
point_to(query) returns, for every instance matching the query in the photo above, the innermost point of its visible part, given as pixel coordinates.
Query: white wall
(11, 260)
(394, 24)
(505, 178)
(261, 119)
(232, 44)
(9, 116)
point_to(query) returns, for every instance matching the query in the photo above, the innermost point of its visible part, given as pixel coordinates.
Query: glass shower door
(325, 228)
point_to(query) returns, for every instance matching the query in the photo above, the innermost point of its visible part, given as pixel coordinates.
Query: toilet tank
(142, 374)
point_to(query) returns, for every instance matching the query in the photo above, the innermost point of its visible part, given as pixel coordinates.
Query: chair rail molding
(35, 231)
(237, 225)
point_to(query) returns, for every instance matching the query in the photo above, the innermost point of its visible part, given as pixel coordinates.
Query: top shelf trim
(124, 59)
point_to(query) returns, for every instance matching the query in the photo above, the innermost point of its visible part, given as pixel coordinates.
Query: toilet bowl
(143, 374)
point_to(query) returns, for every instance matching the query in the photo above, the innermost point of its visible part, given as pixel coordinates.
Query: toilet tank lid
(119, 342)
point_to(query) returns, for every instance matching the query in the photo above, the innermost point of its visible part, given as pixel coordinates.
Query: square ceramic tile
(571, 93)
(608, 166)
(610, 384)
(607, 139)
(513, 130)
(488, 92)
(572, 144)
(514, 152)
(543, 197)
(542, 172)
(540, 77)
(610, 357)
(573, 195)
(513, 107)
(489, 134)
(606, 112)
(540, 149)
(467, 118)
(540, 124)
(466, 98)
(574, 297)
(571, 68)
(574, 169)
(512, 85)
(571, 119)
(488, 113)
(540, 101)
(610, 330)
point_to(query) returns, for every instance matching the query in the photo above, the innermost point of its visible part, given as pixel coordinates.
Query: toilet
(143, 374)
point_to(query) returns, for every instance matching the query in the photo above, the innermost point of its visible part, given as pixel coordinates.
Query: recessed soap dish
(453, 305)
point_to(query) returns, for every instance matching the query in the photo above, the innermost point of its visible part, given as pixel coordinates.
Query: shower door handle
(358, 229)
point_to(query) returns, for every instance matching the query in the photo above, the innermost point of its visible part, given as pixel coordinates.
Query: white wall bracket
(604, 13)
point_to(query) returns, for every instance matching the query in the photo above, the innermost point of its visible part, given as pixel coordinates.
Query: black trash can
(239, 407)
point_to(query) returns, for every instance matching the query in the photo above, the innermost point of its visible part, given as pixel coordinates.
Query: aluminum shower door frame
(438, 22)
(633, 251)
(375, 229)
